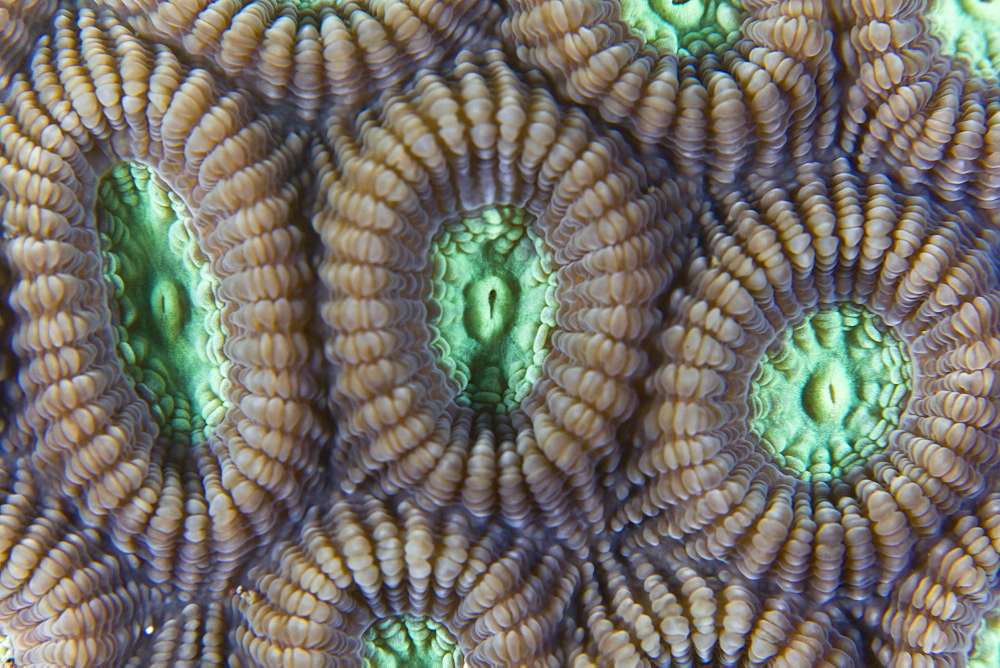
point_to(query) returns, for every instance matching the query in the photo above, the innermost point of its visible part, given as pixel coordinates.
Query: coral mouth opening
(167, 320)
(491, 306)
(829, 391)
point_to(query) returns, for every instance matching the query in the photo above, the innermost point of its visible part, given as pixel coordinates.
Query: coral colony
(556, 333)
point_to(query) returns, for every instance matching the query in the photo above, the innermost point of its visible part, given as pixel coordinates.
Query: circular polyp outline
(449, 146)
(234, 171)
(700, 471)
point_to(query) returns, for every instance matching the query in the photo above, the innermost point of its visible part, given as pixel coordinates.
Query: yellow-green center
(986, 649)
(829, 392)
(674, 26)
(168, 321)
(491, 306)
(968, 30)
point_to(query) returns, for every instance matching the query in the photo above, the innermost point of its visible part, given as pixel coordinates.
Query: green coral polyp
(829, 392)
(410, 642)
(492, 305)
(674, 26)
(168, 325)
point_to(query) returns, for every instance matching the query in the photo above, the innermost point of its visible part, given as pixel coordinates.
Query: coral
(543, 332)
(493, 302)
(169, 334)
(488, 140)
(322, 54)
(831, 392)
(967, 30)
(671, 25)
(406, 641)
(757, 105)
(987, 648)
(21, 24)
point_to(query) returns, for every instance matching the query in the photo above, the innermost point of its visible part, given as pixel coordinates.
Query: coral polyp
(830, 392)
(167, 317)
(493, 305)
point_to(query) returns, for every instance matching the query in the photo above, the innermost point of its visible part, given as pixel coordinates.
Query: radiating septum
(829, 391)
(492, 304)
(167, 317)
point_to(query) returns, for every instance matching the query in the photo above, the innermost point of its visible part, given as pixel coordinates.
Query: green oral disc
(986, 648)
(492, 305)
(674, 26)
(168, 324)
(829, 392)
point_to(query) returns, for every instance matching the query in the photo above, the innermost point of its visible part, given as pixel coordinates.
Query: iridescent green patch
(986, 648)
(829, 391)
(168, 320)
(968, 30)
(676, 26)
(410, 642)
(491, 307)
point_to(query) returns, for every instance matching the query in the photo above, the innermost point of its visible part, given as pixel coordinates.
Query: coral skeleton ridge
(556, 333)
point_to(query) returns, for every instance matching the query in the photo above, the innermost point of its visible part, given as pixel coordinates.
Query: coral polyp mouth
(830, 391)
(406, 333)
(492, 305)
(168, 322)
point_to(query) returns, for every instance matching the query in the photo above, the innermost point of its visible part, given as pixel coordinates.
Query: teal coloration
(410, 642)
(492, 305)
(830, 391)
(168, 325)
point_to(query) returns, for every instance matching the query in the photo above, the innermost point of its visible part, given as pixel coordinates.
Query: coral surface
(499, 333)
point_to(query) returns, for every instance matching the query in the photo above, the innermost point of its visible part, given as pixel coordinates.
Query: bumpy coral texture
(536, 332)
